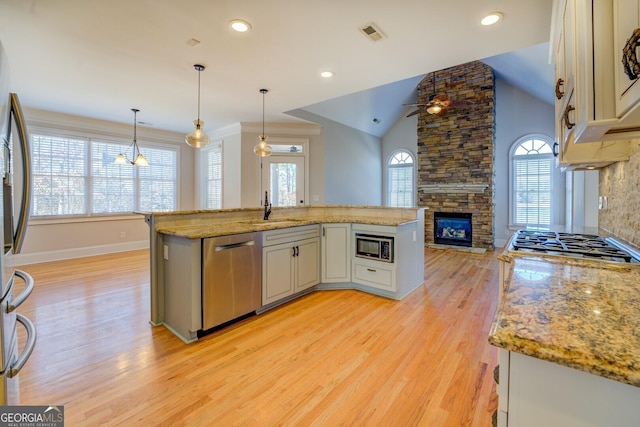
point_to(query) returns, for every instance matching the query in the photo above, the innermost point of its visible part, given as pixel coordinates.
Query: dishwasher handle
(219, 248)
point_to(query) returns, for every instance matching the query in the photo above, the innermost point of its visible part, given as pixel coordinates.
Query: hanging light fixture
(198, 138)
(138, 158)
(262, 149)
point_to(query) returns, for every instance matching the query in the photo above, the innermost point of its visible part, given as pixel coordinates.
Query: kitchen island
(303, 249)
(568, 332)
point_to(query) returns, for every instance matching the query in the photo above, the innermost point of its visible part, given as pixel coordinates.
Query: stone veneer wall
(620, 183)
(456, 149)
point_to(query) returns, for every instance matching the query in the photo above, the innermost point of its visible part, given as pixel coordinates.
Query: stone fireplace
(456, 151)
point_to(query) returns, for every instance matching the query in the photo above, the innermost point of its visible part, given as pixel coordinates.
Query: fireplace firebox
(452, 228)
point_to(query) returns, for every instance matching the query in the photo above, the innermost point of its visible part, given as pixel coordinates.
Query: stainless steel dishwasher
(231, 277)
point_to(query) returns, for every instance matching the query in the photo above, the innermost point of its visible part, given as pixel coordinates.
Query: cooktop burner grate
(568, 244)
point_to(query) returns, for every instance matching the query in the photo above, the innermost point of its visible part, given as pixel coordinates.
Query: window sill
(78, 219)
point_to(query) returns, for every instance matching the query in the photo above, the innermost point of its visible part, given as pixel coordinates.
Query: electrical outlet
(123, 234)
(166, 252)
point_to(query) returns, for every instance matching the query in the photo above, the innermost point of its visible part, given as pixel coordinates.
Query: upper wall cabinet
(626, 18)
(582, 47)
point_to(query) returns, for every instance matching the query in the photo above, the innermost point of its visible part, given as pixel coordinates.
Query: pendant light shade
(198, 138)
(138, 158)
(262, 149)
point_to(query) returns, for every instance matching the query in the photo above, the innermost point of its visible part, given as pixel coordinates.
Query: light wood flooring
(332, 358)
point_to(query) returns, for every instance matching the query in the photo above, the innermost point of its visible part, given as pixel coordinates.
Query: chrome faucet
(267, 207)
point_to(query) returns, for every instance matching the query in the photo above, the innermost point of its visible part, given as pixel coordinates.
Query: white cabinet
(290, 262)
(541, 393)
(627, 64)
(336, 253)
(376, 274)
(589, 132)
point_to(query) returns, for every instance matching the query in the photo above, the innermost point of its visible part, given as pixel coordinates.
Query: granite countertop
(204, 229)
(584, 315)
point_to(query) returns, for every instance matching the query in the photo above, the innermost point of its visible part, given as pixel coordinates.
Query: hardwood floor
(330, 358)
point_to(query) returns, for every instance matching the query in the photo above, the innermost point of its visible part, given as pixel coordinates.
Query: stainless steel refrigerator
(16, 286)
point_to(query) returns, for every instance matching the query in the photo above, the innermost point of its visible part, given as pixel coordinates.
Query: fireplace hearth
(452, 228)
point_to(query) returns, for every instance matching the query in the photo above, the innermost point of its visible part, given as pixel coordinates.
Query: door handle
(565, 117)
(559, 92)
(28, 288)
(28, 347)
(555, 149)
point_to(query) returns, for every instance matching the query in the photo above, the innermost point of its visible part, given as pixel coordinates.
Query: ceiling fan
(436, 104)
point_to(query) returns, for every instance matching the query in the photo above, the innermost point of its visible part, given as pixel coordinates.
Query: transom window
(532, 171)
(401, 182)
(78, 176)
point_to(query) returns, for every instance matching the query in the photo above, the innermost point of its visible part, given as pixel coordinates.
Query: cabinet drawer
(381, 277)
(290, 234)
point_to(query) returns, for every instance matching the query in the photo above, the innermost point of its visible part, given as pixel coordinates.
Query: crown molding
(88, 126)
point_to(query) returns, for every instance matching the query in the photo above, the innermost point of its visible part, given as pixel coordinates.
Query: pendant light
(138, 158)
(262, 149)
(198, 138)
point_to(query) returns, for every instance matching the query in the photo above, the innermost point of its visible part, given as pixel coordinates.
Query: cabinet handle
(293, 251)
(555, 149)
(629, 56)
(565, 117)
(371, 270)
(559, 84)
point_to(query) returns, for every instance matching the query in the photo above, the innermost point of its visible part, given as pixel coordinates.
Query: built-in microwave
(379, 248)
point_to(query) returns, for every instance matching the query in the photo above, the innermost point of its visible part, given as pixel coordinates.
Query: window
(78, 176)
(400, 188)
(531, 187)
(213, 191)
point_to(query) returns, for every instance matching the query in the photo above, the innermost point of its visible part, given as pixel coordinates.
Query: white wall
(402, 135)
(48, 240)
(352, 163)
(518, 114)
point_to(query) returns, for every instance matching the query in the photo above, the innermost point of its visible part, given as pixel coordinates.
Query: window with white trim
(213, 182)
(400, 191)
(532, 165)
(78, 176)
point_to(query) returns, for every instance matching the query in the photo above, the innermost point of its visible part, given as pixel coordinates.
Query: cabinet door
(336, 253)
(626, 44)
(307, 262)
(277, 272)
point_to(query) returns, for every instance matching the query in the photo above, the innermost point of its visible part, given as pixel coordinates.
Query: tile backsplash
(620, 183)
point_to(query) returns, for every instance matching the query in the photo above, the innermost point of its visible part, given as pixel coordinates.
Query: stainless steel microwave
(379, 248)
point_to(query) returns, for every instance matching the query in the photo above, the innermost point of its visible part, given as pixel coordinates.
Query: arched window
(532, 166)
(400, 171)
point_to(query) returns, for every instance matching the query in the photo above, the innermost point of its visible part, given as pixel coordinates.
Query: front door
(283, 179)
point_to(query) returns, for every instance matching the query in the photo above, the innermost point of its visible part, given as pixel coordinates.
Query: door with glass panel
(283, 179)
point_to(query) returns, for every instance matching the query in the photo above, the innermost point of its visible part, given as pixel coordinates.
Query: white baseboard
(499, 243)
(39, 257)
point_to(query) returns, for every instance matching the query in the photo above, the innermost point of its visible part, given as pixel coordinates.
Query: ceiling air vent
(372, 31)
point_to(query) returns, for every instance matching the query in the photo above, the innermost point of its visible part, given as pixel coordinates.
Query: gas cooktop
(569, 244)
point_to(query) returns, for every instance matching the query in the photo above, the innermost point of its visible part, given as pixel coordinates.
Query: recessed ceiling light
(491, 18)
(326, 74)
(240, 26)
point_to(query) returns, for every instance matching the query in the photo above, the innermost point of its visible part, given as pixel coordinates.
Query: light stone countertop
(204, 224)
(204, 230)
(584, 315)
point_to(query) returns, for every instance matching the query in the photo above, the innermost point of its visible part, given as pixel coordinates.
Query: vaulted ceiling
(101, 58)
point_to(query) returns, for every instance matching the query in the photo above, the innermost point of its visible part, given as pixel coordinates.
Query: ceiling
(99, 59)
